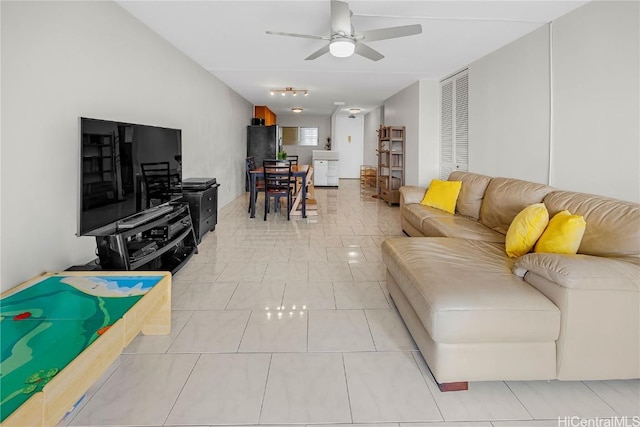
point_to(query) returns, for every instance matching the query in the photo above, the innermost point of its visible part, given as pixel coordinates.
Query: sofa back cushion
(505, 198)
(613, 226)
(471, 192)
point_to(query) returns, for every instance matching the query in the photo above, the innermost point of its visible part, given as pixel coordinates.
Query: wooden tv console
(151, 314)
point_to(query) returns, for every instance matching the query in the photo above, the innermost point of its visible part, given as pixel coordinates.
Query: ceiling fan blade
(391, 32)
(364, 50)
(340, 17)
(303, 36)
(317, 53)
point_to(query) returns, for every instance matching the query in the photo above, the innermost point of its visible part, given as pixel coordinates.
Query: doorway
(349, 142)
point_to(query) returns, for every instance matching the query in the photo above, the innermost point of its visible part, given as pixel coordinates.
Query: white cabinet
(325, 168)
(320, 170)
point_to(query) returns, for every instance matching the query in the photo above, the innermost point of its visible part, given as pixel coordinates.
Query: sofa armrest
(581, 271)
(411, 194)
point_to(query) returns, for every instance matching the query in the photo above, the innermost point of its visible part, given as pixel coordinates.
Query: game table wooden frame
(151, 315)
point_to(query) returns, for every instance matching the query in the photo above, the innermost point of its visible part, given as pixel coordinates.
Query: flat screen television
(112, 184)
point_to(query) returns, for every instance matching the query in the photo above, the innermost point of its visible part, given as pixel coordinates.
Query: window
(299, 136)
(454, 126)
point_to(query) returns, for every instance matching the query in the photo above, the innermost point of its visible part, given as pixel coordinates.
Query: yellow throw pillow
(563, 234)
(442, 195)
(525, 229)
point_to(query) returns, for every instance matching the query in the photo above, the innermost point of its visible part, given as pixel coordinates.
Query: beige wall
(62, 60)
(371, 125)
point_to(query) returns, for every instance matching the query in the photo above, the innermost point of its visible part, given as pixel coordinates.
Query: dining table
(297, 171)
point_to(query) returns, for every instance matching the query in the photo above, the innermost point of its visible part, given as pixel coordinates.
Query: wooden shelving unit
(391, 149)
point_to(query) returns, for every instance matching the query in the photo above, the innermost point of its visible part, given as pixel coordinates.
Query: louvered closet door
(454, 128)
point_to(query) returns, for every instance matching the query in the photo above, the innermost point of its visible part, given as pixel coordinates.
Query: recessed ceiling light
(297, 109)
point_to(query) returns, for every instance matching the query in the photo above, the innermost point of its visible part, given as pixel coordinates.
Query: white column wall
(62, 60)
(509, 110)
(371, 125)
(596, 117)
(403, 109)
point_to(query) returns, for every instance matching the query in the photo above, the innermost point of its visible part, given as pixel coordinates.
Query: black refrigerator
(262, 142)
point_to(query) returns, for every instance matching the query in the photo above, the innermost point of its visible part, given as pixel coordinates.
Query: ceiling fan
(344, 41)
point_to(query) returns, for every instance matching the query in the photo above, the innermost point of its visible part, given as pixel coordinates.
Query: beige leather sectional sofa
(478, 315)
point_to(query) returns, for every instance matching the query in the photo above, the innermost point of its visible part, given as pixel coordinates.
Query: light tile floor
(289, 322)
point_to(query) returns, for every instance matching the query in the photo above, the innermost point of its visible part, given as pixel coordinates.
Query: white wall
(402, 109)
(322, 122)
(372, 122)
(62, 60)
(596, 117)
(417, 107)
(509, 110)
(586, 108)
(429, 132)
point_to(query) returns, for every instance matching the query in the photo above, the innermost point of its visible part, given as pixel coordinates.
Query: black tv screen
(112, 184)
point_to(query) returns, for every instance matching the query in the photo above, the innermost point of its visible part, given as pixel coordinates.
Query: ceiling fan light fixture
(342, 47)
(297, 109)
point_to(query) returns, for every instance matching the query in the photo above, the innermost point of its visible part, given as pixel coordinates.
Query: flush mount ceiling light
(297, 109)
(289, 90)
(342, 47)
(354, 110)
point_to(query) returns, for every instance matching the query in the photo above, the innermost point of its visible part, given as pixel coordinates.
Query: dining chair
(277, 184)
(294, 162)
(157, 182)
(250, 164)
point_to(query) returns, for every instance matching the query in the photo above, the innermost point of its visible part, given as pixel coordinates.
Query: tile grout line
(264, 393)
(182, 389)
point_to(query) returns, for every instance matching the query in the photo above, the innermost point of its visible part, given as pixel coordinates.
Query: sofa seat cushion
(460, 227)
(415, 213)
(463, 291)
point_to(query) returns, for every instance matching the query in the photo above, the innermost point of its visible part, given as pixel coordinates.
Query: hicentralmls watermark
(599, 422)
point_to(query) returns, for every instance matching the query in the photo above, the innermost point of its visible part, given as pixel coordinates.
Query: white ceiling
(228, 38)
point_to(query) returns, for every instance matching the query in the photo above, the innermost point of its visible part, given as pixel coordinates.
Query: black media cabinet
(163, 242)
(202, 196)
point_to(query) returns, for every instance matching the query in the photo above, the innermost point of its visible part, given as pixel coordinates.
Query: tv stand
(163, 240)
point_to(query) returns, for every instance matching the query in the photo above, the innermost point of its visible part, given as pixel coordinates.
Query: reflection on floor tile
(290, 399)
(275, 331)
(257, 296)
(309, 296)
